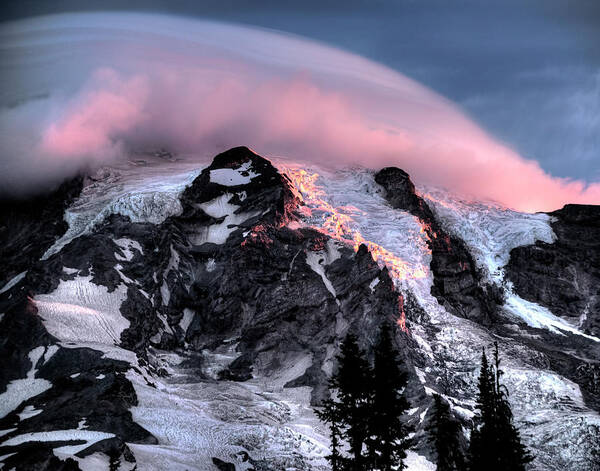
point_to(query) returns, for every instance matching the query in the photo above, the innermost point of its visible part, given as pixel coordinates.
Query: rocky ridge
(226, 316)
(564, 276)
(227, 269)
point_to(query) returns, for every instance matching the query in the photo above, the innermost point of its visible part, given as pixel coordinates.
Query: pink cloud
(199, 87)
(93, 122)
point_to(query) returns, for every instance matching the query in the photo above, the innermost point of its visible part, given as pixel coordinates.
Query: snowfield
(148, 193)
(81, 311)
(196, 421)
(490, 230)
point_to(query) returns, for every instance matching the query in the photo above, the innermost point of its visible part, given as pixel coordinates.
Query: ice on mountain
(490, 230)
(314, 260)
(186, 319)
(13, 282)
(165, 293)
(126, 279)
(530, 388)
(81, 311)
(5, 457)
(28, 412)
(144, 194)
(127, 246)
(195, 421)
(352, 199)
(233, 176)
(350, 202)
(172, 265)
(373, 284)
(94, 462)
(90, 437)
(19, 390)
(221, 208)
(540, 317)
(416, 462)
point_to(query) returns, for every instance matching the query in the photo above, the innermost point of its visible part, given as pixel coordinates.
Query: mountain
(161, 316)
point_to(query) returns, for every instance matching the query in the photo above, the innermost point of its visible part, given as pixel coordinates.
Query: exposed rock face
(564, 276)
(28, 227)
(457, 284)
(226, 272)
(204, 338)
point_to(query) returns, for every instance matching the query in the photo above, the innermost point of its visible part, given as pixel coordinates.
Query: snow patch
(315, 260)
(373, 284)
(125, 278)
(233, 176)
(4, 457)
(186, 320)
(20, 390)
(221, 208)
(540, 317)
(165, 293)
(29, 412)
(90, 438)
(415, 462)
(127, 246)
(13, 282)
(81, 311)
(94, 462)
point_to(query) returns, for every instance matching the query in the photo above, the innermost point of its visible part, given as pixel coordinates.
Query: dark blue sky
(527, 70)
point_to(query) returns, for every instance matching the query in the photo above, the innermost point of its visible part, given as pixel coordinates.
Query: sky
(527, 71)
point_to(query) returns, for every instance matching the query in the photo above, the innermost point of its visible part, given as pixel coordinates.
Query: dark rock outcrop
(457, 284)
(28, 227)
(228, 263)
(223, 465)
(564, 276)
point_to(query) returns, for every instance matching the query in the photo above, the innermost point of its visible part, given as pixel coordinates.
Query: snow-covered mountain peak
(205, 304)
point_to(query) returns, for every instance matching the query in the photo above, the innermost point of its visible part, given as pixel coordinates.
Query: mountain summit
(172, 318)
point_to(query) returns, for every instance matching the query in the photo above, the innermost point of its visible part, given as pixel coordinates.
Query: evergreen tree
(495, 441)
(330, 414)
(515, 455)
(348, 414)
(444, 434)
(482, 436)
(388, 435)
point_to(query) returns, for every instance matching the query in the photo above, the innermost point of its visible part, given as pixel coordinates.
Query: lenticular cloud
(81, 90)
